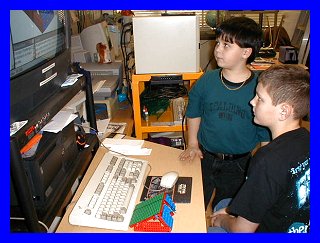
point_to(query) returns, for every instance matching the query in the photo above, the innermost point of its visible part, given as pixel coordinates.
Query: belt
(223, 156)
(228, 156)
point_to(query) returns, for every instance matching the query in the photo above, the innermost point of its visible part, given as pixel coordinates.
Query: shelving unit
(141, 126)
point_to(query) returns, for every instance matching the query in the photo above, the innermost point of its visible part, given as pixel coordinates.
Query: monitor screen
(39, 58)
(36, 36)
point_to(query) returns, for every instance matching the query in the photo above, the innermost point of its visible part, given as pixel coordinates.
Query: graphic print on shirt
(301, 194)
(226, 110)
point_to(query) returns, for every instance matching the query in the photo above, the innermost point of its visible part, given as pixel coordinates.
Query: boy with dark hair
(220, 121)
(275, 196)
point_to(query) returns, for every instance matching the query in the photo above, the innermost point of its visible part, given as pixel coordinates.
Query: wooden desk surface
(189, 217)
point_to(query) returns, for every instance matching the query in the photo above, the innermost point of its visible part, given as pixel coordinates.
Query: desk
(189, 217)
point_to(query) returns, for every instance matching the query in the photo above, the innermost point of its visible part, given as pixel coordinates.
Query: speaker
(288, 55)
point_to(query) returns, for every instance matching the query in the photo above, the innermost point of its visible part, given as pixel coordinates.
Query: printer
(111, 73)
(109, 87)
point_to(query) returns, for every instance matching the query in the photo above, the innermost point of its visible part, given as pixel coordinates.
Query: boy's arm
(234, 224)
(193, 128)
(193, 145)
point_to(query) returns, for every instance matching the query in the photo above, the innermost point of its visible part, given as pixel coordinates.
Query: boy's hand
(190, 153)
(218, 216)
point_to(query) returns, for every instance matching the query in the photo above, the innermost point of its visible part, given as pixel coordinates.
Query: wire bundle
(157, 97)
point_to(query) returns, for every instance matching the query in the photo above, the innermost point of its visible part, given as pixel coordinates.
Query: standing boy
(220, 120)
(276, 194)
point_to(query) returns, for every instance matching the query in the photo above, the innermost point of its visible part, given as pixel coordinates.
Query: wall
(290, 21)
(206, 54)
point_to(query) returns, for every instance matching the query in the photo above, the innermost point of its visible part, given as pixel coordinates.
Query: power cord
(164, 92)
(40, 222)
(85, 126)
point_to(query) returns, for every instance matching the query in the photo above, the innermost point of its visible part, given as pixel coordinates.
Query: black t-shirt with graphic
(276, 193)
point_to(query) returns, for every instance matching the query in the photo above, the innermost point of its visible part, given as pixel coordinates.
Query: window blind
(253, 14)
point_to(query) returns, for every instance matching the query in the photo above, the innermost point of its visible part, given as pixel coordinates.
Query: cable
(210, 60)
(164, 92)
(155, 190)
(126, 56)
(183, 137)
(40, 222)
(85, 126)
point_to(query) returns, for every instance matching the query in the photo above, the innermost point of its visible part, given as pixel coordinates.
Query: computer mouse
(169, 179)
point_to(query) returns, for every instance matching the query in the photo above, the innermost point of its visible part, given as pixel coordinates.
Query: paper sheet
(130, 151)
(109, 142)
(59, 121)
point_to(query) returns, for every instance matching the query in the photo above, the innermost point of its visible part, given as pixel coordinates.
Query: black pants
(226, 176)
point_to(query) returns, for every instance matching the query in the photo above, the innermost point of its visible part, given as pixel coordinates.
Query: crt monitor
(39, 58)
(94, 34)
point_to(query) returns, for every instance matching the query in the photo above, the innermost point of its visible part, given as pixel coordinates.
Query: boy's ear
(247, 52)
(286, 110)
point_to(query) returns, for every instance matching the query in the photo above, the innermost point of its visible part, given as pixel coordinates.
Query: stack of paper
(126, 146)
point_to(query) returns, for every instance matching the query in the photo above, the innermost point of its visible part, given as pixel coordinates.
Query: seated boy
(275, 196)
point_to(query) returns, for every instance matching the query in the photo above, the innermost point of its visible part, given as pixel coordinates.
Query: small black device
(167, 79)
(267, 53)
(288, 55)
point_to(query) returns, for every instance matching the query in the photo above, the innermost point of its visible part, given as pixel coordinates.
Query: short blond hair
(288, 83)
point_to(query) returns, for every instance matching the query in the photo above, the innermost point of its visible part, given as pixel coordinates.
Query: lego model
(154, 214)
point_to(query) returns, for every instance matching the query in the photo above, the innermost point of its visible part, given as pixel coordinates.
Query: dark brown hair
(245, 32)
(288, 83)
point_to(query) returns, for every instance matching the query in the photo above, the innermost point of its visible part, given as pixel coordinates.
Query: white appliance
(166, 44)
(91, 36)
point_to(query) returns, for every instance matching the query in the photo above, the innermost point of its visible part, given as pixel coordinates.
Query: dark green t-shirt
(226, 115)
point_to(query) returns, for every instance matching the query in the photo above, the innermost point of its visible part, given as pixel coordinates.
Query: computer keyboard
(110, 196)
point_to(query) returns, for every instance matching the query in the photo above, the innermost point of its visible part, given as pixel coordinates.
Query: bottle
(146, 115)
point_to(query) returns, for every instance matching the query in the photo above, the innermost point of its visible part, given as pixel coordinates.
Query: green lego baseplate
(147, 209)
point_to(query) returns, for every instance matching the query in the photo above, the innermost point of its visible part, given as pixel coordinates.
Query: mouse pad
(181, 191)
